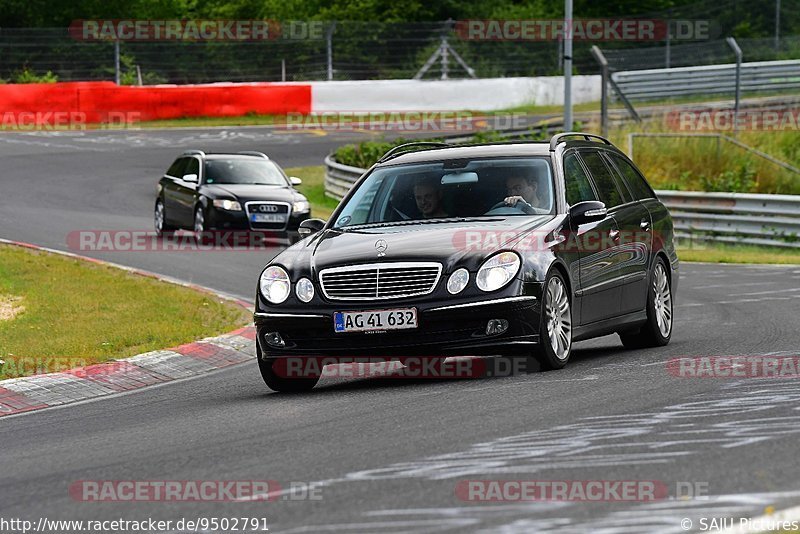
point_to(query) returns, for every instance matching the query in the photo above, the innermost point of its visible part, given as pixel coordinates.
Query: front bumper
(444, 329)
(219, 219)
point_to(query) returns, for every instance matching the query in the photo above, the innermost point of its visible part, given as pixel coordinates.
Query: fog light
(274, 339)
(496, 326)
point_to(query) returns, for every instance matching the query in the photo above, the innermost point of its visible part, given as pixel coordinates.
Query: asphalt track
(387, 453)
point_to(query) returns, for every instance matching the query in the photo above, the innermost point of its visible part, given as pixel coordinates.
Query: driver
(428, 196)
(522, 193)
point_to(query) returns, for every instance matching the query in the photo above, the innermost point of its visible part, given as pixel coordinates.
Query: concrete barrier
(449, 95)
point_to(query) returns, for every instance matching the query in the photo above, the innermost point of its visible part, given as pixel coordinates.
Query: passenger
(522, 193)
(428, 196)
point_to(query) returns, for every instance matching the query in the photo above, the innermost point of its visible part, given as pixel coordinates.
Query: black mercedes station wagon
(508, 249)
(241, 191)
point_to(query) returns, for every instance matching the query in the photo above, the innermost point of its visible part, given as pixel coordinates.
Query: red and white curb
(25, 394)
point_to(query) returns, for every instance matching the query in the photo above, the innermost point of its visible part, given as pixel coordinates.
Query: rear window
(604, 180)
(636, 182)
(257, 171)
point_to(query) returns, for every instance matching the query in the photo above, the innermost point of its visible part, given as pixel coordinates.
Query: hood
(247, 192)
(465, 244)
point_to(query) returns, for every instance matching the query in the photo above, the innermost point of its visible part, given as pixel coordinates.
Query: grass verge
(723, 253)
(75, 309)
(313, 187)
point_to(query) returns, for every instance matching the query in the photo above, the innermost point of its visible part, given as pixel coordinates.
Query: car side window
(636, 182)
(176, 169)
(192, 167)
(577, 185)
(606, 185)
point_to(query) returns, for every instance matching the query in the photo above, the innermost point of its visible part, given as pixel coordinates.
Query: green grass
(313, 187)
(202, 122)
(77, 309)
(696, 164)
(724, 253)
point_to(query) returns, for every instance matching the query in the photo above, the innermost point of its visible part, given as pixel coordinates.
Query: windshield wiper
(384, 224)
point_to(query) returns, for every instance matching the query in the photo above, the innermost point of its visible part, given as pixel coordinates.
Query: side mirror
(310, 226)
(295, 180)
(586, 212)
(190, 178)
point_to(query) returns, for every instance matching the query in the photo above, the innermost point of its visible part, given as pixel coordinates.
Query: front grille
(380, 280)
(268, 208)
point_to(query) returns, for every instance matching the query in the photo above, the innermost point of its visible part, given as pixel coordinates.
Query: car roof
(232, 156)
(499, 150)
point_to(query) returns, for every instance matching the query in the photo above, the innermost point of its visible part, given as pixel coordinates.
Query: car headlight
(300, 205)
(304, 289)
(274, 284)
(458, 281)
(230, 205)
(497, 271)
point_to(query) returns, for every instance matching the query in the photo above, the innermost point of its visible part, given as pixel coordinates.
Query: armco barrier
(771, 220)
(101, 102)
(759, 76)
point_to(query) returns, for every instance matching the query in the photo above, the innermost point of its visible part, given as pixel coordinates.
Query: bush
(26, 75)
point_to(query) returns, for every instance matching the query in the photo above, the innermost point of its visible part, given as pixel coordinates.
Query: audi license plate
(267, 218)
(363, 321)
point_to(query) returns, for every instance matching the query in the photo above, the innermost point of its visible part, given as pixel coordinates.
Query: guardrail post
(598, 55)
(738, 51)
(329, 39)
(117, 74)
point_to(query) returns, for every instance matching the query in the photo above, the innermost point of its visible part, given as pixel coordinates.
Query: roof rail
(400, 149)
(253, 153)
(194, 153)
(556, 139)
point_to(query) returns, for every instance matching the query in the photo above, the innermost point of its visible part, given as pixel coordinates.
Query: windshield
(447, 189)
(243, 171)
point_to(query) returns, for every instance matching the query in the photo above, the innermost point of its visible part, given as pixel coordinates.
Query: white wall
(449, 95)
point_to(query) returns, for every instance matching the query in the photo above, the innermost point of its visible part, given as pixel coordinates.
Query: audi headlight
(300, 206)
(274, 284)
(229, 205)
(304, 289)
(458, 281)
(497, 271)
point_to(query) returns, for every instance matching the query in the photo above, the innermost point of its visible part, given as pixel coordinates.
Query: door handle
(645, 225)
(614, 235)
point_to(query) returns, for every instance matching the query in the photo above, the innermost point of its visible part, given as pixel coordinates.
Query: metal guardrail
(771, 220)
(655, 84)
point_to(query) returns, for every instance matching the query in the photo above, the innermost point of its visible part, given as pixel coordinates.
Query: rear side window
(577, 185)
(176, 169)
(636, 183)
(606, 185)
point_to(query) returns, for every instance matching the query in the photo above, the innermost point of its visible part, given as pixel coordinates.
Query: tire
(160, 219)
(555, 324)
(657, 331)
(282, 384)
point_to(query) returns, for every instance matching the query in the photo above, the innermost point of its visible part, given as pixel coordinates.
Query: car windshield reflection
(440, 192)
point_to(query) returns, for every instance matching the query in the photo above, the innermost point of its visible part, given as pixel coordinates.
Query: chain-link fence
(375, 50)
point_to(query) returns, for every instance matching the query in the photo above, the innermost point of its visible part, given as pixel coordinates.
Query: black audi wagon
(238, 191)
(512, 249)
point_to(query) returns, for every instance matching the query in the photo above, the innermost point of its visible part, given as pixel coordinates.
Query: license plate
(267, 218)
(363, 321)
